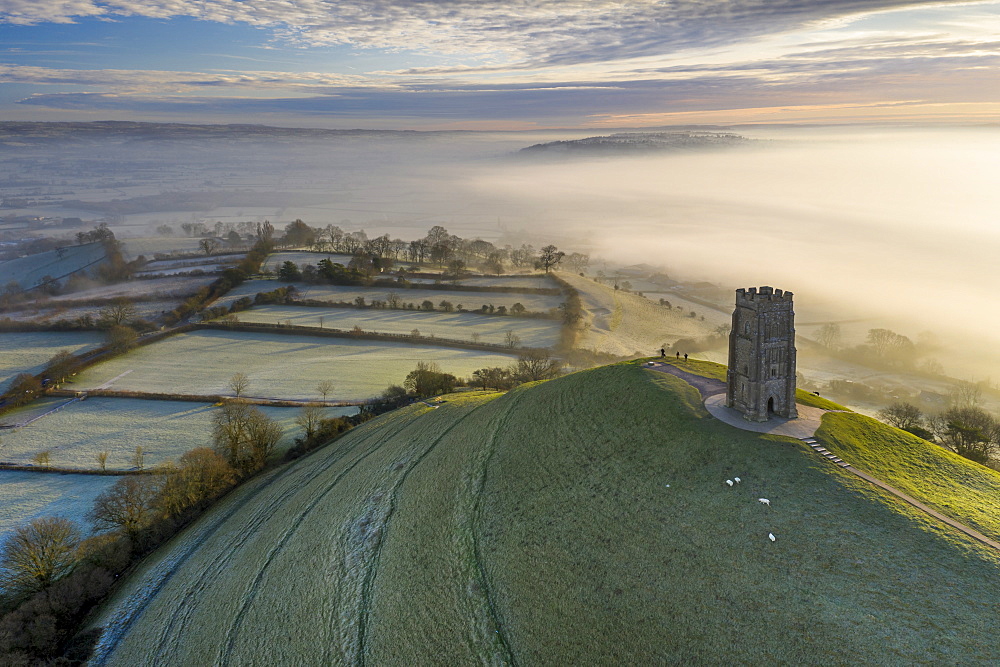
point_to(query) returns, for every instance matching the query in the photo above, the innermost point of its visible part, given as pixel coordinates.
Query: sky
(523, 64)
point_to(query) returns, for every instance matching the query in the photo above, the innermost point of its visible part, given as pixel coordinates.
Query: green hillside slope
(579, 521)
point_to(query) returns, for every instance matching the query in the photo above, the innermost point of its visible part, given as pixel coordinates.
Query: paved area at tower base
(808, 421)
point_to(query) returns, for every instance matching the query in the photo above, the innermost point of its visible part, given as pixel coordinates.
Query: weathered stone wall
(761, 377)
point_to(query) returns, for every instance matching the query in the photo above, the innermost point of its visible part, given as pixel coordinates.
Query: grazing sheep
(770, 536)
(737, 480)
(764, 501)
(729, 482)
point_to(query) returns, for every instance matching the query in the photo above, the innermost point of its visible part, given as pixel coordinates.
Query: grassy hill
(581, 520)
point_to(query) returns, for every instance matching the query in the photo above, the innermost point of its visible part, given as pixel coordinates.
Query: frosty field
(279, 366)
(457, 326)
(132, 248)
(28, 495)
(29, 271)
(29, 352)
(165, 429)
(169, 286)
(493, 281)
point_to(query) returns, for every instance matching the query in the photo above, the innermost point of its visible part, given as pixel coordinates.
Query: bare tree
(244, 435)
(102, 460)
(208, 245)
(239, 383)
(966, 394)
(127, 505)
(61, 365)
(511, 339)
(902, 415)
(37, 554)
(121, 310)
(121, 338)
(829, 335)
(201, 474)
(139, 457)
(42, 458)
(537, 365)
(309, 419)
(549, 257)
(324, 388)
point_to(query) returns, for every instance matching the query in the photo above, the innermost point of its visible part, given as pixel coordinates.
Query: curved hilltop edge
(632, 143)
(538, 527)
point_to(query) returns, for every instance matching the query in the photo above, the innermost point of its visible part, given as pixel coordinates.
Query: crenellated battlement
(753, 297)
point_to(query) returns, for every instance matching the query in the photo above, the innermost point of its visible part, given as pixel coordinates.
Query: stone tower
(761, 377)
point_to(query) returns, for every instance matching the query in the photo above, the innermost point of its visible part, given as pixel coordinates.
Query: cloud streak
(537, 31)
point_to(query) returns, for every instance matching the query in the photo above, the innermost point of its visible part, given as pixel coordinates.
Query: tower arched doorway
(770, 406)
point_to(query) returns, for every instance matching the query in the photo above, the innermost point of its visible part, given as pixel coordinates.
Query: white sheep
(770, 536)
(737, 480)
(729, 482)
(764, 501)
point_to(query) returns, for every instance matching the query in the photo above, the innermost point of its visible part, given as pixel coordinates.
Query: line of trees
(964, 428)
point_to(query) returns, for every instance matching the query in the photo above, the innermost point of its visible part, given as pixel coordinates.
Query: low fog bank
(898, 227)
(894, 226)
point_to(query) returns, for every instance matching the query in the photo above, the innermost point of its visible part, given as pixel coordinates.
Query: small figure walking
(663, 353)
(685, 356)
(678, 355)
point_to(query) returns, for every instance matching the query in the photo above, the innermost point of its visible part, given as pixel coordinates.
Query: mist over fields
(893, 226)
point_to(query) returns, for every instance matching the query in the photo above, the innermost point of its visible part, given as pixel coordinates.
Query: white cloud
(532, 30)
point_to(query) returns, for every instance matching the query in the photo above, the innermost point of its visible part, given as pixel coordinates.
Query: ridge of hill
(625, 143)
(580, 520)
(625, 324)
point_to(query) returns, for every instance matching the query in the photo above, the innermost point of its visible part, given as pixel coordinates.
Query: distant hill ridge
(584, 520)
(635, 142)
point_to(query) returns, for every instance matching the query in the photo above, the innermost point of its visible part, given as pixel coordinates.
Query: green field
(29, 352)
(165, 429)
(457, 326)
(579, 521)
(279, 366)
(28, 495)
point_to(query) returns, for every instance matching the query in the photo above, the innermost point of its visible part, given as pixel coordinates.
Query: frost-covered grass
(28, 495)
(149, 310)
(29, 271)
(278, 366)
(75, 434)
(29, 352)
(149, 246)
(168, 286)
(622, 323)
(458, 326)
(552, 525)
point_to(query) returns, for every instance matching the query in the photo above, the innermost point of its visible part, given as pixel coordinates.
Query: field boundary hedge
(285, 329)
(203, 398)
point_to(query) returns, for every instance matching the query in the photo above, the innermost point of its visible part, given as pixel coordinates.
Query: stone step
(844, 465)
